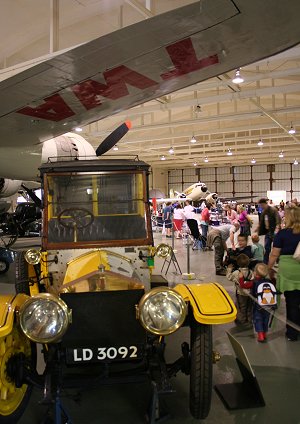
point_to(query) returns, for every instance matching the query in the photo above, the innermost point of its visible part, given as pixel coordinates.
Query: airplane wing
(235, 198)
(171, 199)
(141, 62)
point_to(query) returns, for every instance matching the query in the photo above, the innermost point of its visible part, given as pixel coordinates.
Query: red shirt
(205, 215)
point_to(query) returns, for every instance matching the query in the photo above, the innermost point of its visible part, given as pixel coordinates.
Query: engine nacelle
(212, 199)
(66, 147)
(9, 187)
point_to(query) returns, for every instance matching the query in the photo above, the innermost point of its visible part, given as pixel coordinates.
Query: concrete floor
(276, 364)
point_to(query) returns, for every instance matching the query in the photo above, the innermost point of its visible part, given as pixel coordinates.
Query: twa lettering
(89, 92)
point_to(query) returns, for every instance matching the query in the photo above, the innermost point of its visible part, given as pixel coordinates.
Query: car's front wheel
(13, 399)
(201, 369)
(4, 265)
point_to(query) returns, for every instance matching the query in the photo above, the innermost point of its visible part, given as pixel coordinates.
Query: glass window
(96, 207)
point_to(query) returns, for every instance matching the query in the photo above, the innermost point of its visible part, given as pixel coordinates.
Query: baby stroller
(199, 240)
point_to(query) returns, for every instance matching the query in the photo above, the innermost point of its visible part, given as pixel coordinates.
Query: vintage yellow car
(86, 295)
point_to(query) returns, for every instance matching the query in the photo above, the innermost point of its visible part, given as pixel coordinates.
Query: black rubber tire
(4, 266)
(201, 369)
(22, 279)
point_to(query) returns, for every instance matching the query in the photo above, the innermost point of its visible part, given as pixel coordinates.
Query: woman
(244, 221)
(281, 214)
(178, 219)
(231, 214)
(205, 219)
(288, 277)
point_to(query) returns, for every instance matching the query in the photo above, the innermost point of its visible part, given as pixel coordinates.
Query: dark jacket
(273, 218)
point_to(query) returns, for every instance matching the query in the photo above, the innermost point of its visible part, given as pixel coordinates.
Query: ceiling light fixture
(281, 155)
(260, 143)
(116, 147)
(171, 151)
(229, 153)
(238, 79)
(253, 160)
(296, 162)
(195, 163)
(162, 157)
(78, 129)
(206, 159)
(193, 139)
(292, 129)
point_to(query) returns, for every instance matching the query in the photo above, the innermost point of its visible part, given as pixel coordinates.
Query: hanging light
(78, 129)
(193, 139)
(253, 160)
(260, 143)
(295, 162)
(162, 157)
(229, 153)
(116, 147)
(292, 129)
(238, 79)
(195, 163)
(281, 155)
(171, 151)
(206, 159)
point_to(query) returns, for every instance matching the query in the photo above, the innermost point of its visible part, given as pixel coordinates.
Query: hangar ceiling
(220, 115)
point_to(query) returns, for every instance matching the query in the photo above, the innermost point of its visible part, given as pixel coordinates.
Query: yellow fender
(210, 302)
(9, 305)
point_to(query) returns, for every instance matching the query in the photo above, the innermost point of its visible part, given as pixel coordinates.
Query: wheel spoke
(2, 348)
(9, 341)
(3, 392)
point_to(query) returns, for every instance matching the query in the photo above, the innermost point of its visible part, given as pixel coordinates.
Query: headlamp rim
(58, 301)
(183, 310)
(160, 247)
(38, 251)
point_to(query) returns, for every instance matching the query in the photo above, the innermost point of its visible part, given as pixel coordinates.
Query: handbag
(296, 254)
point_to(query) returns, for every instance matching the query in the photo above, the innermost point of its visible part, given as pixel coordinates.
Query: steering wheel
(77, 217)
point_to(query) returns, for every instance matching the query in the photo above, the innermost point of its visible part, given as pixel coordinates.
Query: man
(167, 216)
(217, 237)
(269, 223)
(191, 220)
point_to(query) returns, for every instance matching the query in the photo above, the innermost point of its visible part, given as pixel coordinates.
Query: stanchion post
(172, 232)
(188, 257)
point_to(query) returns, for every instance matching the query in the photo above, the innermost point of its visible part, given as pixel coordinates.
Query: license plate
(103, 354)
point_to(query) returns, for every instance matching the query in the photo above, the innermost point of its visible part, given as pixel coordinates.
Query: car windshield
(89, 207)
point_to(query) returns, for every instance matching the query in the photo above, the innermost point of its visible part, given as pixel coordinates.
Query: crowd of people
(251, 267)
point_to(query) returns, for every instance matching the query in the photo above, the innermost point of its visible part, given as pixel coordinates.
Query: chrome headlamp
(163, 250)
(44, 318)
(33, 256)
(162, 311)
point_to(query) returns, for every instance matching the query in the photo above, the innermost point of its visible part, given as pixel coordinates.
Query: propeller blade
(113, 138)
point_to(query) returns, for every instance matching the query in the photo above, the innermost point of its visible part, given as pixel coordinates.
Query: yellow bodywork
(8, 306)
(83, 274)
(210, 302)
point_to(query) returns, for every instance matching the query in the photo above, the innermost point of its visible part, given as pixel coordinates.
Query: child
(264, 300)
(242, 248)
(243, 301)
(257, 249)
